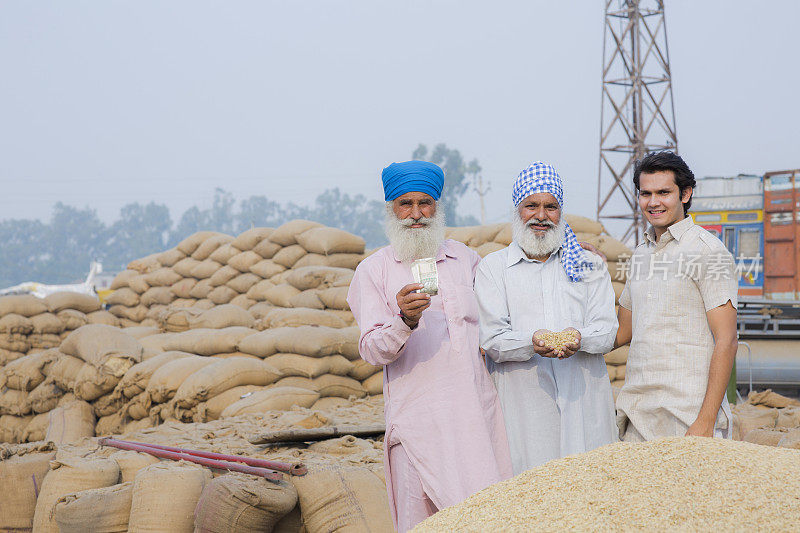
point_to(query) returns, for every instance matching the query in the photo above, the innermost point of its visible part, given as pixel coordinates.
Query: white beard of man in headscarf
(414, 243)
(533, 243)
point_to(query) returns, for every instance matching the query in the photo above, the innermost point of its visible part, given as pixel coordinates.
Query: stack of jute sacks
(769, 419)
(493, 237)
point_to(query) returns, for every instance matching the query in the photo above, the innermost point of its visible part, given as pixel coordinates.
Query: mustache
(408, 222)
(533, 222)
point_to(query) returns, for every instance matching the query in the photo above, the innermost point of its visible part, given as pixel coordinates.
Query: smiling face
(540, 212)
(538, 229)
(661, 200)
(416, 206)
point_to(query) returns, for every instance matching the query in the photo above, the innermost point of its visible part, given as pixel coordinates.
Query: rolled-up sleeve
(498, 339)
(383, 332)
(597, 337)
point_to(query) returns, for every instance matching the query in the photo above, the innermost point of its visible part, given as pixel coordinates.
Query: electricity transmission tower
(637, 112)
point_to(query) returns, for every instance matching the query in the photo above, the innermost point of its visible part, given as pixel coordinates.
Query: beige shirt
(672, 283)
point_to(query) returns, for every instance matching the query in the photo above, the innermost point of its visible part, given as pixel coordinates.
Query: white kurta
(552, 407)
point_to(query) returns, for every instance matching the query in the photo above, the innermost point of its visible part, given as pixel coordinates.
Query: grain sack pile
(683, 483)
(493, 237)
(100, 488)
(769, 419)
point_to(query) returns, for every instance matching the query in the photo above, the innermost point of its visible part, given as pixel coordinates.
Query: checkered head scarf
(541, 177)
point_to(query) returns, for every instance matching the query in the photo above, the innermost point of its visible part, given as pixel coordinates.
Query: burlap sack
(213, 408)
(224, 374)
(285, 317)
(260, 309)
(222, 316)
(14, 342)
(69, 475)
(134, 314)
(315, 277)
(185, 266)
(138, 284)
(613, 249)
(489, 247)
(258, 291)
(790, 439)
(121, 279)
(279, 278)
(22, 304)
(343, 499)
(46, 323)
(109, 425)
(326, 241)
(85, 303)
(36, 429)
(330, 403)
(201, 289)
(788, 417)
(45, 396)
(210, 245)
(14, 402)
(281, 295)
(771, 399)
(224, 253)
(222, 295)
(155, 343)
(311, 260)
(157, 296)
(348, 261)
(145, 264)
(192, 242)
(163, 277)
(243, 282)
(247, 240)
(12, 428)
(612, 372)
(581, 224)
(137, 407)
(91, 383)
(243, 301)
(335, 298)
(135, 380)
(134, 426)
(6, 356)
(308, 299)
(72, 319)
(176, 319)
(748, 417)
(183, 287)
(71, 422)
(272, 399)
(209, 341)
(170, 257)
(43, 341)
(764, 436)
(361, 370)
(28, 372)
(286, 234)
(21, 476)
(109, 403)
(267, 249)
(244, 260)
(106, 348)
(341, 386)
(102, 317)
(243, 503)
(64, 371)
(165, 496)
(313, 341)
(223, 276)
(166, 379)
(131, 462)
(290, 364)
(289, 255)
(204, 270)
(105, 509)
(14, 323)
(349, 342)
(346, 445)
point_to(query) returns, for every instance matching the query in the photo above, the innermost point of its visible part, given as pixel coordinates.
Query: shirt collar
(676, 230)
(517, 254)
(445, 250)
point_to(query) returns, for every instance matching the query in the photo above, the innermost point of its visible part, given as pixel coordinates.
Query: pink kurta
(440, 403)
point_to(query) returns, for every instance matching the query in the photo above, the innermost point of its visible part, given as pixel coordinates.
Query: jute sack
(349, 261)
(157, 296)
(72, 319)
(133, 314)
(109, 403)
(28, 372)
(374, 384)
(308, 299)
(267, 249)
(204, 341)
(247, 240)
(222, 316)
(185, 266)
(272, 399)
(105, 347)
(488, 247)
(21, 477)
(325, 241)
(281, 295)
(224, 253)
(47, 323)
(613, 249)
(137, 284)
(212, 409)
(748, 417)
(176, 319)
(289, 255)
(45, 396)
(790, 439)
(22, 304)
(210, 245)
(222, 295)
(12, 428)
(204, 304)
(170, 257)
(243, 282)
(266, 268)
(85, 303)
(64, 371)
(190, 244)
(109, 425)
(314, 341)
(91, 383)
(102, 317)
(284, 317)
(136, 378)
(341, 446)
(14, 402)
(105, 509)
(362, 370)
(286, 234)
(331, 402)
(244, 260)
(581, 224)
(341, 386)
(145, 264)
(291, 364)
(343, 499)
(788, 417)
(71, 422)
(618, 271)
(243, 301)
(771, 399)
(14, 342)
(222, 375)
(203, 271)
(165, 496)
(612, 372)
(131, 462)
(764, 436)
(36, 429)
(14, 323)
(183, 288)
(243, 503)
(121, 279)
(335, 298)
(138, 407)
(43, 341)
(6, 356)
(69, 475)
(165, 380)
(260, 309)
(258, 291)
(349, 338)
(223, 276)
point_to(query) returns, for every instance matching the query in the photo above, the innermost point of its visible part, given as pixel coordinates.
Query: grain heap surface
(684, 484)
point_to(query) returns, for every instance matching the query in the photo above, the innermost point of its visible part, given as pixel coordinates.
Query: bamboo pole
(314, 434)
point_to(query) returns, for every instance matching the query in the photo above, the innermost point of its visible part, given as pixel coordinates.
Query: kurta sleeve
(598, 335)
(498, 340)
(718, 281)
(383, 332)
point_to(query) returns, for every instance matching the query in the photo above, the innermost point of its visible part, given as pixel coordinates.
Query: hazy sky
(107, 102)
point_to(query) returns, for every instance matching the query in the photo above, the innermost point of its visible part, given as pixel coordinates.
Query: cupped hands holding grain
(557, 344)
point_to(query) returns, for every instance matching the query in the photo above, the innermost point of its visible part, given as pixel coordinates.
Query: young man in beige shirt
(678, 311)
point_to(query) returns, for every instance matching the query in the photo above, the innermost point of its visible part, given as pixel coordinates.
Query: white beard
(535, 245)
(414, 243)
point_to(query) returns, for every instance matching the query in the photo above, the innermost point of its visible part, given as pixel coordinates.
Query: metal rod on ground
(306, 435)
(296, 469)
(271, 475)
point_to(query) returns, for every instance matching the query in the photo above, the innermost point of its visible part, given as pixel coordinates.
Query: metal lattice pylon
(637, 111)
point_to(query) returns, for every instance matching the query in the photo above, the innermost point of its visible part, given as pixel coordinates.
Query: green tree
(73, 239)
(458, 178)
(22, 254)
(140, 230)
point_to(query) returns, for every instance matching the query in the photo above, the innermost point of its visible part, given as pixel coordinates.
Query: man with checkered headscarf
(546, 319)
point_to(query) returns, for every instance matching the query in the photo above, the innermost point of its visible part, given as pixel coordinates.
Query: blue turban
(412, 176)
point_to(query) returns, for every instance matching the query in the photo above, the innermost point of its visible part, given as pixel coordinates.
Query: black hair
(662, 161)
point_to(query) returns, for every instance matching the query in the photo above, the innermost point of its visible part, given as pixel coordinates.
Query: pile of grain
(493, 237)
(671, 484)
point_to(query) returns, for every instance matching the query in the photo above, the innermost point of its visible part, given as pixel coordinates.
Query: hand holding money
(561, 344)
(412, 303)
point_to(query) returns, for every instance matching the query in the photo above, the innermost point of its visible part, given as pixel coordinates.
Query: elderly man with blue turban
(445, 437)
(546, 319)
